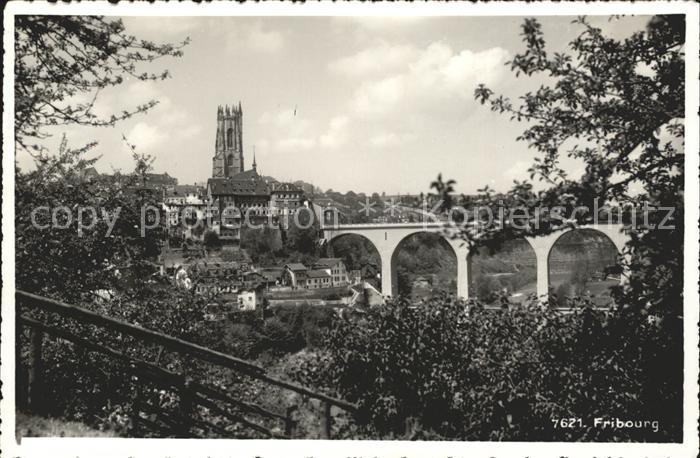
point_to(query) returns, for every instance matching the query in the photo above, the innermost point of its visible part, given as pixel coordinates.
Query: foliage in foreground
(449, 370)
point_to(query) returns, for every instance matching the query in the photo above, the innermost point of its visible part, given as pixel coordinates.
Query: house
(184, 202)
(253, 279)
(318, 278)
(335, 267)
(248, 299)
(158, 180)
(240, 198)
(245, 299)
(422, 287)
(294, 275)
(285, 198)
(171, 259)
(273, 275)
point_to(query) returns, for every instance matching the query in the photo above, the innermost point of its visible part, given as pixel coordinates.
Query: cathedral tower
(228, 155)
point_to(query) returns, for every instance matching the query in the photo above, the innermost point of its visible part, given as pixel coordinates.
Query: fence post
(135, 404)
(186, 407)
(327, 420)
(290, 425)
(35, 377)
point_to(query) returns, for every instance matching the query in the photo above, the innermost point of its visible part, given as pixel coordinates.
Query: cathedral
(234, 191)
(228, 153)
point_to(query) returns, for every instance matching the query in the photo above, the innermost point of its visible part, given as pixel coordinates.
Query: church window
(229, 137)
(230, 160)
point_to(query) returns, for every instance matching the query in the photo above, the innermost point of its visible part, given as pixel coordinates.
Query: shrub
(242, 340)
(452, 371)
(308, 322)
(280, 337)
(211, 239)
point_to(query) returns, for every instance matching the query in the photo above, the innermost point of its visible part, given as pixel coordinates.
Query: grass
(34, 426)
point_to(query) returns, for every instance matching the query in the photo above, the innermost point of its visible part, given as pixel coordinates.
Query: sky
(368, 104)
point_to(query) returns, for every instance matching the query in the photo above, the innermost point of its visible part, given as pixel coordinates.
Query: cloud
(264, 40)
(517, 171)
(389, 139)
(336, 135)
(154, 27)
(435, 78)
(292, 144)
(254, 37)
(384, 22)
(145, 137)
(378, 23)
(286, 121)
(380, 59)
(379, 96)
(159, 127)
(292, 131)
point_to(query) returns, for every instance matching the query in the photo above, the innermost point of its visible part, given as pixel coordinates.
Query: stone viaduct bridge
(386, 238)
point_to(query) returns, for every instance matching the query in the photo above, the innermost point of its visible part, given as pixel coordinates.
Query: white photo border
(113, 447)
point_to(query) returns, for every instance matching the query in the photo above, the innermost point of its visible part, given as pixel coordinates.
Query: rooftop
(244, 183)
(183, 190)
(296, 266)
(286, 187)
(318, 273)
(327, 262)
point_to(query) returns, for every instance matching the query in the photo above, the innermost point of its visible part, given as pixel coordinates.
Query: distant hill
(309, 189)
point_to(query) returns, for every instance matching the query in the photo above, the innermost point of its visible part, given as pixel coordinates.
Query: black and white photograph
(350, 230)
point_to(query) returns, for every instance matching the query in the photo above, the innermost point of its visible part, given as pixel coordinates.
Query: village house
(245, 299)
(335, 267)
(297, 275)
(183, 202)
(317, 279)
(294, 275)
(285, 199)
(248, 300)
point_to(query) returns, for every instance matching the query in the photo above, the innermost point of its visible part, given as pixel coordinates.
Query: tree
(211, 239)
(261, 243)
(74, 236)
(617, 105)
(63, 62)
(302, 235)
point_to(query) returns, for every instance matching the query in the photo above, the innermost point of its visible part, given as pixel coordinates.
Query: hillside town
(204, 223)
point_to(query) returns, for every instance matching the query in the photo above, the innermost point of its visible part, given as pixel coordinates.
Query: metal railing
(191, 393)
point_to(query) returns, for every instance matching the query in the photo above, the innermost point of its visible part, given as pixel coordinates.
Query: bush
(280, 337)
(242, 340)
(211, 239)
(308, 322)
(451, 371)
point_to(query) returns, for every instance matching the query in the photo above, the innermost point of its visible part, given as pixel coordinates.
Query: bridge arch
(367, 263)
(543, 247)
(511, 267)
(439, 239)
(594, 251)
